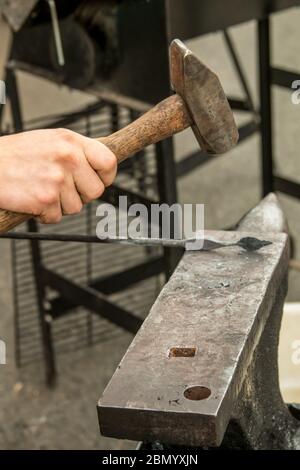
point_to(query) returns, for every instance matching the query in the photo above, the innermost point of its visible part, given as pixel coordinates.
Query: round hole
(197, 393)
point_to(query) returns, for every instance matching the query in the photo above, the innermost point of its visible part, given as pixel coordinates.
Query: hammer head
(202, 92)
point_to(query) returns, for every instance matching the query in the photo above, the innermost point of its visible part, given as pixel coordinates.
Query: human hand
(48, 173)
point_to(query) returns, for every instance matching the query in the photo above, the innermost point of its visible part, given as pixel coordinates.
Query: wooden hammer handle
(9, 220)
(167, 118)
(164, 120)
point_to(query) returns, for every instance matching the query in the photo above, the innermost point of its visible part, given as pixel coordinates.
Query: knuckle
(74, 158)
(57, 176)
(47, 197)
(109, 170)
(110, 163)
(75, 208)
(66, 134)
(97, 191)
(69, 157)
(66, 146)
(63, 152)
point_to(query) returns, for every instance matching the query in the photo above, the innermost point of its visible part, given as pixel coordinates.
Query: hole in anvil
(197, 393)
(182, 352)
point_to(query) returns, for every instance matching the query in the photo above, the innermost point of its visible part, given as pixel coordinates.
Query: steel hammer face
(202, 92)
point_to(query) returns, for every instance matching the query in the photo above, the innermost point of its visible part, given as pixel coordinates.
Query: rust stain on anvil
(217, 303)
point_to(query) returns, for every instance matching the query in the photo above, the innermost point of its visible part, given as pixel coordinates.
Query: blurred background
(113, 70)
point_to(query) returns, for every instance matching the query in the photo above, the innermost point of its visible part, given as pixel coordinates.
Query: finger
(101, 159)
(87, 182)
(51, 215)
(70, 200)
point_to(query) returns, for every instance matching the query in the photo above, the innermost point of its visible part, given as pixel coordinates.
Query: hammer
(199, 103)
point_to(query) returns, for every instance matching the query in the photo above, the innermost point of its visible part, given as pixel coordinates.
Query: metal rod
(239, 70)
(265, 82)
(46, 328)
(56, 32)
(247, 243)
(59, 237)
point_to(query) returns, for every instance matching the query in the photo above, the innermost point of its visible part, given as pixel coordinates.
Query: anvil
(202, 371)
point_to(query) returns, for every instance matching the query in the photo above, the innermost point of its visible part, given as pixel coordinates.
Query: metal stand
(44, 315)
(95, 295)
(265, 105)
(71, 294)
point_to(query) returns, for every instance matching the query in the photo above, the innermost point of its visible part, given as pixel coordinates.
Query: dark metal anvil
(202, 371)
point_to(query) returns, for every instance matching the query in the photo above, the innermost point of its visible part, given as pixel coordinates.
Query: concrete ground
(31, 416)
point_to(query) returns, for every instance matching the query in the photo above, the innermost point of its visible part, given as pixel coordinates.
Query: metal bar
(93, 300)
(70, 118)
(89, 271)
(114, 116)
(61, 307)
(284, 78)
(112, 283)
(265, 82)
(215, 15)
(116, 282)
(16, 307)
(239, 104)
(56, 33)
(198, 158)
(64, 237)
(167, 187)
(13, 95)
(192, 161)
(239, 70)
(287, 186)
(45, 325)
(248, 129)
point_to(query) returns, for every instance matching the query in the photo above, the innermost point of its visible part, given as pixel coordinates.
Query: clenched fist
(48, 173)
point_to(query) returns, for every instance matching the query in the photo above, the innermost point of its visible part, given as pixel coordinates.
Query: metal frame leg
(13, 95)
(265, 82)
(239, 71)
(167, 188)
(44, 316)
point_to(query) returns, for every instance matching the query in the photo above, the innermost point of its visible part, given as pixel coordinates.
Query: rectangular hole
(182, 352)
